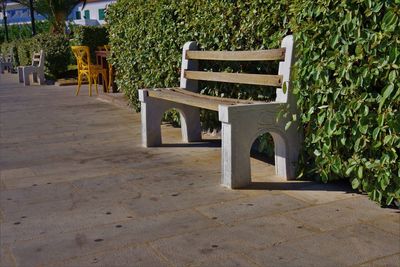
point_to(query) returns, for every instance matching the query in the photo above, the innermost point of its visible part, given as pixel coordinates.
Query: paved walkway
(77, 189)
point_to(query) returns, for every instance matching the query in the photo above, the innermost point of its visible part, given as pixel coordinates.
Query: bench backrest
(6, 59)
(190, 74)
(38, 59)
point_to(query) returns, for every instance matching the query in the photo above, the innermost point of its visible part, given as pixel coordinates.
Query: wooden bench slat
(213, 98)
(243, 78)
(258, 55)
(183, 96)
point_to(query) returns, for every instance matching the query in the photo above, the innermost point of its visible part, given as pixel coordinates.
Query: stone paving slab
(392, 260)
(339, 213)
(196, 247)
(140, 256)
(347, 246)
(121, 234)
(78, 189)
(251, 207)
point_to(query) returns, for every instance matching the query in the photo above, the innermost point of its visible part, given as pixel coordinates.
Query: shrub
(348, 88)
(24, 50)
(92, 36)
(58, 53)
(23, 31)
(11, 47)
(56, 47)
(147, 38)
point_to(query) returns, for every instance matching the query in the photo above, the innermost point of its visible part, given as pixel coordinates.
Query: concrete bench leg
(152, 111)
(21, 74)
(190, 123)
(41, 78)
(287, 148)
(235, 162)
(34, 77)
(26, 73)
(6, 65)
(241, 125)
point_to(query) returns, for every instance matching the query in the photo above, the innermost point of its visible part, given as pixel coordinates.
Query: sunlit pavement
(77, 189)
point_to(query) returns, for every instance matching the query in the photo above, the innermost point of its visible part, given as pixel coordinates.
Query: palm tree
(3, 7)
(56, 11)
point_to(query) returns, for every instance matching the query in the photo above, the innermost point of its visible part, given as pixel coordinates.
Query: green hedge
(147, 38)
(11, 47)
(57, 48)
(92, 36)
(348, 87)
(23, 31)
(58, 53)
(346, 75)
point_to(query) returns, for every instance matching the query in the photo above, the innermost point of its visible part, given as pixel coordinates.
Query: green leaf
(284, 87)
(366, 110)
(336, 166)
(381, 120)
(376, 145)
(335, 40)
(350, 170)
(359, 50)
(384, 182)
(386, 93)
(377, 8)
(288, 125)
(279, 115)
(357, 144)
(392, 76)
(363, 129)
(360, 172)
(387, 139)
(389, 21)
(331, 127)
(389, 200)
(375, 133)
(343, 140)
(355, 183)
(321, 118)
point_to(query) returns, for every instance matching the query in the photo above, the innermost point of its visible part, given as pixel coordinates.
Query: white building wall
(20, 14)
(93, 9)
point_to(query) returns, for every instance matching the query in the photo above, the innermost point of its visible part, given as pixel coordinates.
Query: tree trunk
(59, 22)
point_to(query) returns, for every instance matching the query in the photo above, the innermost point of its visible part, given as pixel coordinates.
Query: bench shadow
(262, 157)
(340, 186)
(203, 143)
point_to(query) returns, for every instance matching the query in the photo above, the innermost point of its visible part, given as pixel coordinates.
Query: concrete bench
(6, 63)
(36, 70)
(242, 120)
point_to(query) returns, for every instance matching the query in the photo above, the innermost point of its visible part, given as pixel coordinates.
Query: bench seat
(180, 95)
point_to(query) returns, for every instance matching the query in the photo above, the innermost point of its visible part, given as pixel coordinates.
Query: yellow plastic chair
(86, 68)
